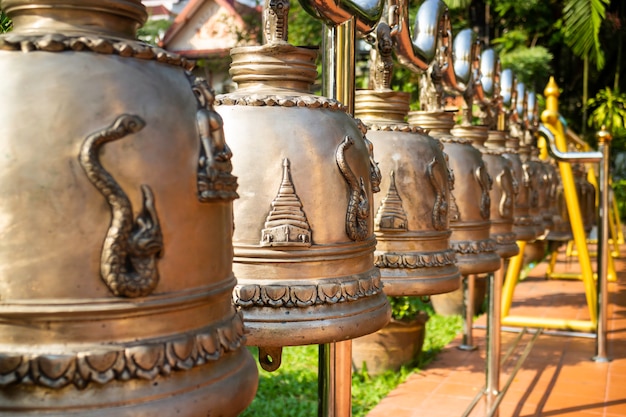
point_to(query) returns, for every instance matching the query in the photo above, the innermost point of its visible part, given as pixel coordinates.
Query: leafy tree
(5, 23)
(609, 110)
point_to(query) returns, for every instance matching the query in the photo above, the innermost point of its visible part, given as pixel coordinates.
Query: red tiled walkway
(557, 379)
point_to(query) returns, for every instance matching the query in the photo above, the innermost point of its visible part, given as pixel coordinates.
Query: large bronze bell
(116, 275)
(470, 199)
(545, 181)
(411, 224)
(532, 168)
(304, 225)
(523, 225)
(498, 167)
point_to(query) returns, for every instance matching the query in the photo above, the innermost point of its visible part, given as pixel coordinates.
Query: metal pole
(493, 337)
(604, 141)
(335, 359)
(469, 288)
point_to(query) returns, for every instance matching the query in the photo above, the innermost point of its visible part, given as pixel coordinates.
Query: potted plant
(398, 343)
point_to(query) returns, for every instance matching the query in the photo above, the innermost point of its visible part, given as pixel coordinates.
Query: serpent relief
(506, 183)
(485, 182)
(128, 262)
(358, 212)
(438, 181)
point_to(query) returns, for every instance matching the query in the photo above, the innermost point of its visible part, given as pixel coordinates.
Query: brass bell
(561, 230)
(546, 182)
(116, 274)
(498, 167)
(523, 225)
(532, 168)
(304, 225)
(470, 198)
(411, 224)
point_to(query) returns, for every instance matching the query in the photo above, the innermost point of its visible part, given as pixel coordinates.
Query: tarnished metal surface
(313, 280)
(116, 277)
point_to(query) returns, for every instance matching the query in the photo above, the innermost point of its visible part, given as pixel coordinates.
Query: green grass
(291, 391)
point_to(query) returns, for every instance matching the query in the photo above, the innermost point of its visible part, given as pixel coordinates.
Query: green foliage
(291, 391)
(608, 108)
(457, 4)
(5, 23)
(581, 26)
(530, 65)
(407, 308)
(619, 187)
(153, 30)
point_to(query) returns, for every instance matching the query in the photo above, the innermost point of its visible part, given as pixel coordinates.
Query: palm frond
(582, 20)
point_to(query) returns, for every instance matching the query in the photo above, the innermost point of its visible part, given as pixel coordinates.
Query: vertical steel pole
(335, 359)
(493, 339)
(604, 141)
(469, 289)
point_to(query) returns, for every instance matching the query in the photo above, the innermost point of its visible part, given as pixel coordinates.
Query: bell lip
(478, 263)
(296, 329)
(507, 250)
(418, 282)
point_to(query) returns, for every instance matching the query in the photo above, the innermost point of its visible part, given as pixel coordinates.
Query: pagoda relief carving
(391, 215)
(286, 223)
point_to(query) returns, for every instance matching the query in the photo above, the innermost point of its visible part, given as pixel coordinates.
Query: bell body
(535, 172)
(116, 280)
(561, 230)
(304, 228)
(411, 223)
(470, 200)
(547, 188)
(523, 223)
(503, 191)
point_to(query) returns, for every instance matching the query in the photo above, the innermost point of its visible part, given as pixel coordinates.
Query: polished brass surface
(418, 51)
(116, 278)
(412, 228)
(304, 237)
(365, 12)
(470, 200)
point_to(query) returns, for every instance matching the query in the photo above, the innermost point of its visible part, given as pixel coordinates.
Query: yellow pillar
(550, 118)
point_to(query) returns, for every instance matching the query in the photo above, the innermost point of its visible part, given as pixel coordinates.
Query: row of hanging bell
(470, 204)
(411, 224)
(116, 275)
(533, 169)
(505, 186)
(523, 224)
(304, 238)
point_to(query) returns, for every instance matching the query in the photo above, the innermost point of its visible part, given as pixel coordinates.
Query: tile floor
(558, 378)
